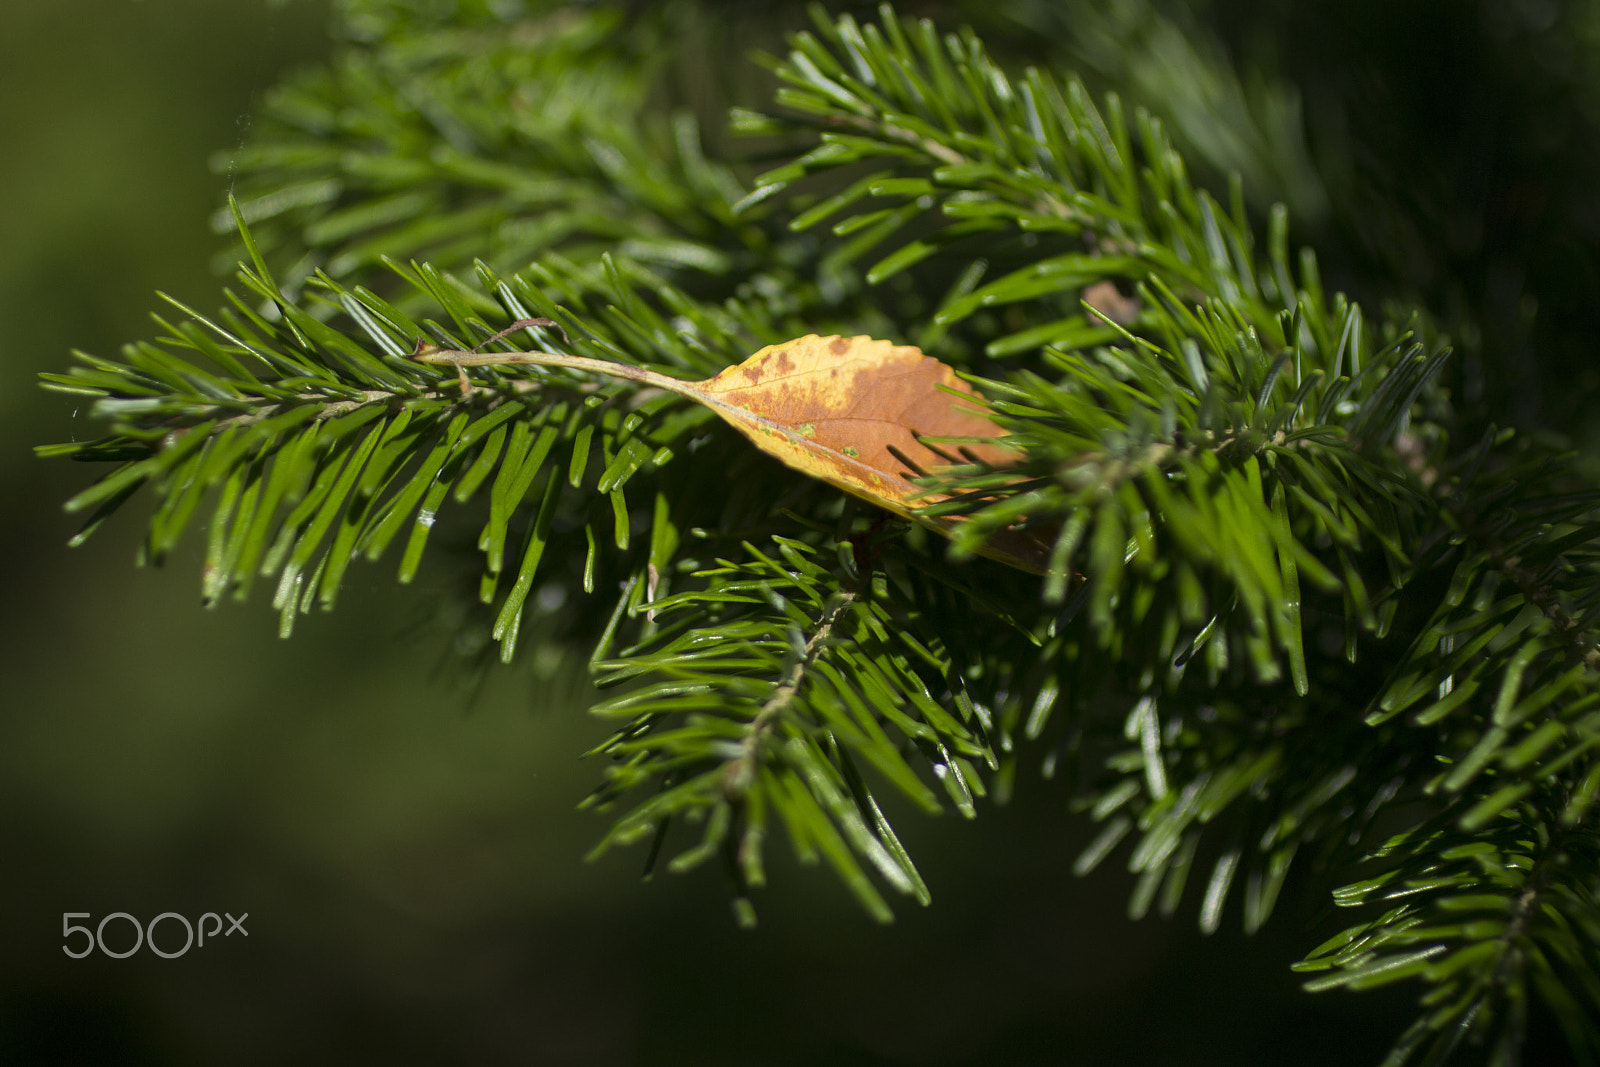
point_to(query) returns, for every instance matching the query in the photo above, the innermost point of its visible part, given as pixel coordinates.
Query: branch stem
(741, 771)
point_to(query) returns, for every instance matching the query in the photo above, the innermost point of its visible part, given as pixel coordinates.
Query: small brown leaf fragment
(1107, 299)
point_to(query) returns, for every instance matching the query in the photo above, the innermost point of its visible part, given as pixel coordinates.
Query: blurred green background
(410, 858)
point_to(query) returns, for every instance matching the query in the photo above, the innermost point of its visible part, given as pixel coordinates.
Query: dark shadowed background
(409, 857)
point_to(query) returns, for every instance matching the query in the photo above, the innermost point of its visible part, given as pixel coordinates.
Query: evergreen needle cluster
(1297, 616)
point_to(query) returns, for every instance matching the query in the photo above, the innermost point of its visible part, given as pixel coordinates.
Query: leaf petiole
(425, 352)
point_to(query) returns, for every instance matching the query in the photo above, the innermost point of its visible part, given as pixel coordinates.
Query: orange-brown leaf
(854, 411)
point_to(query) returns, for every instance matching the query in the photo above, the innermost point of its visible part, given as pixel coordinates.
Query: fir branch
(1479, 921)
(1032, 157)
(1237, 472)
(527, 132)
(1232, 387)
(746, 694)
(329, 449)
(738, 774)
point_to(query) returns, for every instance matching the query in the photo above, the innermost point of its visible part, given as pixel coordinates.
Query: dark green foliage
(1295, 614)
(480, 135)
